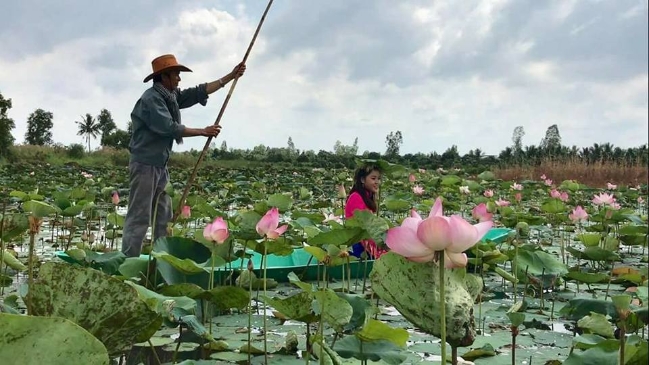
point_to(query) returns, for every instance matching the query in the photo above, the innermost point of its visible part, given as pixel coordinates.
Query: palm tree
(88, 127)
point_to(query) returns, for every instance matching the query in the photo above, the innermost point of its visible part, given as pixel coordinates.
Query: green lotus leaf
(104, 306)
(52, 341)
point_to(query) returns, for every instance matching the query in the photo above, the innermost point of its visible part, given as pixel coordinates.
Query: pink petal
(425, 258)
(274, 234)
(220, 235)
(404, 241)
(454, 260)
(463, 234)
(268, 222)
(437, 210)
(411, 223)
(207, 232)
(414, 214)
(434, 232)
(219, 223)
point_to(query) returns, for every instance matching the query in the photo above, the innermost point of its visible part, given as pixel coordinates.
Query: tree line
(102, 126)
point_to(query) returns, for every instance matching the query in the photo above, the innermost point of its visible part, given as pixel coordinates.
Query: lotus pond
(560, 279)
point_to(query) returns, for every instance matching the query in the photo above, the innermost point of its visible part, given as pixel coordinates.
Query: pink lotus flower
(611, 186)
(543, 177)
(480, 213)
(412, 178)
(603, 199)
(186, 212)
(548, 182)
(518, 197)
(267, 225)
(332, 217)
(418, 240)
(517, 186)
(115, 198)
(578, 215)
(489, 193)
(555, 194)
(216, 231)
(502, 203)
(564, 197)
(417, 190)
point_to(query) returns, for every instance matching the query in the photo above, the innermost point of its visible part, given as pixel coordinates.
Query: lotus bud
(342, 194)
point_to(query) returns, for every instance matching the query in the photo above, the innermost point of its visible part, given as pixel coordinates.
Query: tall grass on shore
(596, 175)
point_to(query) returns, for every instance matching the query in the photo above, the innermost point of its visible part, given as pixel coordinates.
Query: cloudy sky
(442, 72)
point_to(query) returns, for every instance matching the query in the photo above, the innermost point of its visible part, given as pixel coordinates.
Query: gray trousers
(147, 183)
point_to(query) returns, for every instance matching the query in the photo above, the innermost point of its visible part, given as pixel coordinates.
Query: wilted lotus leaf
(105, 306)
(40, 340)
(413, 289)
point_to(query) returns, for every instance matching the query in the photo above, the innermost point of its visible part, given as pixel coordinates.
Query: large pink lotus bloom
(578, 215)
(480, 213)
(418, 240)
(489, 193)
(502, 203)
(216, 231)
(603, 199)
(267, 225)
(555, 193)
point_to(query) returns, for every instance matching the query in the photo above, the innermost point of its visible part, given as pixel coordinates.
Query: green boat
(299, 261)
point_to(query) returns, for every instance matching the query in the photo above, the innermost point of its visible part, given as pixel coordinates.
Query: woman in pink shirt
(362, 196)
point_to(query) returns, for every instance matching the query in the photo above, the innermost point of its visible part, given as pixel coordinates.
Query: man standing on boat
(156, 124)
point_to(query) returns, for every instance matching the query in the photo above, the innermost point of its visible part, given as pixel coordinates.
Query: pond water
(546, 337)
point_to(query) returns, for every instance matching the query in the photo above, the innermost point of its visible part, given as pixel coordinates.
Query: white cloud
(446, 73)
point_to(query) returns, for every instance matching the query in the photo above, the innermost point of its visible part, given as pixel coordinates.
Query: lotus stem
(264, 315)
(442, 305)
(155, 353)
(250, 313)
(349, 275)
(30, 266)
(180, 333)
(211, 286)
(541, 282)
(514, 333)
(2, 243)
(454, 355)
(622, 340)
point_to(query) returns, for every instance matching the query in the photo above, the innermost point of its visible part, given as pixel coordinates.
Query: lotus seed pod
(291, 341)
(523, 229)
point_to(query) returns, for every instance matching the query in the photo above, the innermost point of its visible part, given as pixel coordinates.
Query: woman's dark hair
(362, 172)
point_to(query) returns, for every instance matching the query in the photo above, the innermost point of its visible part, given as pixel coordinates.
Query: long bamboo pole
(218, 120)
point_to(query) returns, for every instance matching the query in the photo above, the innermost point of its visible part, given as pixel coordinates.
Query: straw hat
(164, 63)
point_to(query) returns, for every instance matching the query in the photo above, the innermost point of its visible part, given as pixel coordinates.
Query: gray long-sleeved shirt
(154, 131)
